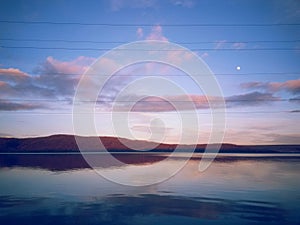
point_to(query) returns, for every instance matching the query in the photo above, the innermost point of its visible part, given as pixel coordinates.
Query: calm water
(62, 189)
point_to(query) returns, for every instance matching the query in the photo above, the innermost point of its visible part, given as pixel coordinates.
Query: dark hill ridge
(67, 143)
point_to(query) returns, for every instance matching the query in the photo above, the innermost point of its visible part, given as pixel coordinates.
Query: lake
(235, 189)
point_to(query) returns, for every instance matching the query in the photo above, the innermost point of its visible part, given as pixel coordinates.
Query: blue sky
(36, 93)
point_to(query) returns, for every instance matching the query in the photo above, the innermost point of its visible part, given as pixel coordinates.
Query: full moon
(238, 68)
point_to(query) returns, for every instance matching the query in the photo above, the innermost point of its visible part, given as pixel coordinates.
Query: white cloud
(239, 45)
(220, 44)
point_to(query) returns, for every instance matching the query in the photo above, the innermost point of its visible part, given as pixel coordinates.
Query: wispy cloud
(284, 138)
(117, 5)
(239, 45)
(184, 3)
(291, 86)
(295, 99)
(204, 55)
(251, 99)
(295, 111)
(16, 106)
(220, 44)
(166, 103)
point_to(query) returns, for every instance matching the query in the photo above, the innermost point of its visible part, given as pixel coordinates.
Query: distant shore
(67, 143)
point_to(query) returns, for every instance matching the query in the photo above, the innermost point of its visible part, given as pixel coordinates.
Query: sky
(252, 48)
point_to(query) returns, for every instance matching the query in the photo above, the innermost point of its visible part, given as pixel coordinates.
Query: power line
(176, 75)
(151, 25)
(167, 112)
(145, 101)
(148, 50)
(124, 42)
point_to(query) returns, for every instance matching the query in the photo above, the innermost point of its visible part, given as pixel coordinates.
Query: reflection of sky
(234, 179)
(244, 190)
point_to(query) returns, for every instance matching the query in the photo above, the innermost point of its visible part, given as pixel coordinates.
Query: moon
(238, 68)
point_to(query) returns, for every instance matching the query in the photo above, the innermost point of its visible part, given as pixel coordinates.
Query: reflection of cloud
(292, 86)
(253, 98)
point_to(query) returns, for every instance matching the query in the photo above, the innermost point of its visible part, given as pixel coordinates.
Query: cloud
(117, 5)
(250, 99)
(204, 55)
(291, 86)
(220, 44)
(140, 33)
(12, 75)
(19, 84)
(13, 106)
(184, 102)
(53, 79)
(295, 111)
(238, 45)
(295, 99)
(61, 77)
(285, 138)
(165, 103)
(288, 11)
(156, 34)
(184, 3)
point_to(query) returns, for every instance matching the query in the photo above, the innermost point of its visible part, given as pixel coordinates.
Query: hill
(67, 143)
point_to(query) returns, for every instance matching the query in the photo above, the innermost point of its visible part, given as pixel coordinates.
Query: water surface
(63, 189)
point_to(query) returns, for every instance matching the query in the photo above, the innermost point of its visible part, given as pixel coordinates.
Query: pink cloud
(140, 33)
(77, 66)
(170, 103)
(156, 34)
(12, 74)
(292, 86)
(54, 78)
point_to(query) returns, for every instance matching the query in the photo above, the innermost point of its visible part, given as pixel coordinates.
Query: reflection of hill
(62, 162)
(67, 143)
